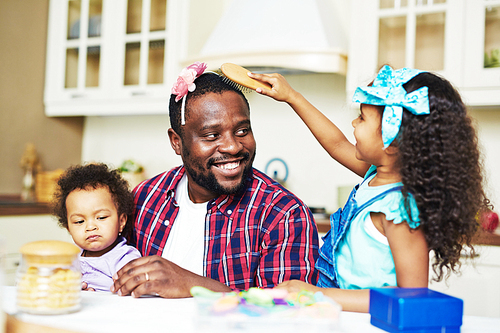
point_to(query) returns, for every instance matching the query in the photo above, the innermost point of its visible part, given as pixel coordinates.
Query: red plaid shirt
(256, 239)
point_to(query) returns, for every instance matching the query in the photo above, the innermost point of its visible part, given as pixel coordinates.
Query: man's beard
(209, 181)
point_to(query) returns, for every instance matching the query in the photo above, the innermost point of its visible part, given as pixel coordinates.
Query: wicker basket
(46, 183)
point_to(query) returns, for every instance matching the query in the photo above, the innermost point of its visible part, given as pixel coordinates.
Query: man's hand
(155, 275)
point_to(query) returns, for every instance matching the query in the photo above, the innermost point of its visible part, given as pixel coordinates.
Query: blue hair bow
(387, 90)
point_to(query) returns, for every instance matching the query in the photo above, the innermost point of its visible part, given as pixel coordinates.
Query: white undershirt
(185, 244)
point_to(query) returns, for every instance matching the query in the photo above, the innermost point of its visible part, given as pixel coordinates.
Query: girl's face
(367, 131)
(93, 220)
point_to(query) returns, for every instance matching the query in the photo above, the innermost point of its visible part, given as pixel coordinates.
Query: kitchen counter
(106, 312)
(11, 205)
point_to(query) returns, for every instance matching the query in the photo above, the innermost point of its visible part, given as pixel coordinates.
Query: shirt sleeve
(290, 245)
(126, 254)
(392, 205)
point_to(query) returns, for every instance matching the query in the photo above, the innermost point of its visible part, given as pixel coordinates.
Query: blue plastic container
(415, 310)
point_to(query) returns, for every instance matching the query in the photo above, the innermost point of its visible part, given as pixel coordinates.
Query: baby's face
(93, 220)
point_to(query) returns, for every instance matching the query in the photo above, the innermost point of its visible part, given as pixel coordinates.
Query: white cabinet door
(76, 44)
(479, 283)
(482, 53)
(125, 61)
(412, 33)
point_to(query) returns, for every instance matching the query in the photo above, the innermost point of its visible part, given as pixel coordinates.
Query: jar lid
(49, 248)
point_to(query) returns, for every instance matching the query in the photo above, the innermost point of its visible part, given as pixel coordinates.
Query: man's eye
(242, 132)
(211, 136)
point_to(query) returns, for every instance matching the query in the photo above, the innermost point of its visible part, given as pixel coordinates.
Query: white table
(106, 312)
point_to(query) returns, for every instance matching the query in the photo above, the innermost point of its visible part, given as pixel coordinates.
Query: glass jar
(49, 278)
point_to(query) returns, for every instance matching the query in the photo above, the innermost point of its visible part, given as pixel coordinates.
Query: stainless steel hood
(285, 35)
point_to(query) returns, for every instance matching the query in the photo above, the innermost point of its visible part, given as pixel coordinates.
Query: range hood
(280, 35)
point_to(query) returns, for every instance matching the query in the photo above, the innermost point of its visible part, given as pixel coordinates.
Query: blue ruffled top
(364, 258)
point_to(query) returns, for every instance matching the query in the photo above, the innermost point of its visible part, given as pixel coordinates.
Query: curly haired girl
(95, 205)
(417, 152)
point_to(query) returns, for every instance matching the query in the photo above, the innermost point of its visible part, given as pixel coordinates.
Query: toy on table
(261, 308)
(415, 310)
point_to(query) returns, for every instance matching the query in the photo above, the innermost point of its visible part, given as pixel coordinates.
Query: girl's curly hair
(93, 176)
(440, 166)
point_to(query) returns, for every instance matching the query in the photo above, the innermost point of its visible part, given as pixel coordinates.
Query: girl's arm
(350, 300)
(410, 253)
(326, 132)
(411, 259)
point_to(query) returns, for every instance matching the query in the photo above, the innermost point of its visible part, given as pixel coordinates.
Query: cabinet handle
(138, 93)
(77, 96)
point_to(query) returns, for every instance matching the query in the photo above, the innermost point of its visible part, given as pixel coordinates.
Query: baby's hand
(281, 90)
(85, 287)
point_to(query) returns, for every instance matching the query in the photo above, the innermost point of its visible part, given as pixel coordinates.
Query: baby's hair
(440, 165)
(206, 83)
(89, 177)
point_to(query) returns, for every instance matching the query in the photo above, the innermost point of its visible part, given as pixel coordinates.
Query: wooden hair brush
(237, 77)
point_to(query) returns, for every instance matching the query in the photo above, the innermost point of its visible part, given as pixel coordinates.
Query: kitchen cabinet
(449, 37)
(481, 85)
(478, 284)
(112, 57)
(15, 231)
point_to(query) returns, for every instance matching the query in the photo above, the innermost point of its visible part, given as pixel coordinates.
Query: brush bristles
(235, 85)
(230, 82)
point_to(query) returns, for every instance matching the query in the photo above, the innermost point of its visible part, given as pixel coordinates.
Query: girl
(95, 205)
(422, 186)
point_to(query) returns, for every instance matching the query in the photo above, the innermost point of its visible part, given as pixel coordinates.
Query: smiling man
(215, 221)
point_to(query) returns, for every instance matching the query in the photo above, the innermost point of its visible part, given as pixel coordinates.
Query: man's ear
(175, 141)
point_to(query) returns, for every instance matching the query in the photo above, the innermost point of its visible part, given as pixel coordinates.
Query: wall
(23, 35)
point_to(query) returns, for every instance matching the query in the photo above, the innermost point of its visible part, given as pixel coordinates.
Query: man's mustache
(244, 157)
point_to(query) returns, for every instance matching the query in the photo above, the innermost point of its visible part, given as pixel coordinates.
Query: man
(215, 222)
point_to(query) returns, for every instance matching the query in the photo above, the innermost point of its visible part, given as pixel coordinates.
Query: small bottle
(49, 278)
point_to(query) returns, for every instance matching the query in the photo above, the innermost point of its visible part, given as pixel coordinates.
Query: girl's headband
(185, 84)
(387, 90)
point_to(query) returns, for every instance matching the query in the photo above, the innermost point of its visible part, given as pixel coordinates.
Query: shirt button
(229, 211)
(167, 222)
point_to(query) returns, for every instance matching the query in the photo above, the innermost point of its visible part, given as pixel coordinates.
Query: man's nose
(230, 144)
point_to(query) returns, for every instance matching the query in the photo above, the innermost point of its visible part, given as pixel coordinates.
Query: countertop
(13, 205)
(106, 312)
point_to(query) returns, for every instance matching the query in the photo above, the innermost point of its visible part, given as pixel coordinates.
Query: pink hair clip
(185, 84)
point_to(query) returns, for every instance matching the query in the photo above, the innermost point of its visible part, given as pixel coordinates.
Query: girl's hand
(296, 286)
(281, 90)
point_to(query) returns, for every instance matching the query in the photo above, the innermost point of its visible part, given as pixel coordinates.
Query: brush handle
(239, 75)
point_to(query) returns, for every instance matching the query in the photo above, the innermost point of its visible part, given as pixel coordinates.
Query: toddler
(417, 152)
(95, 205)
